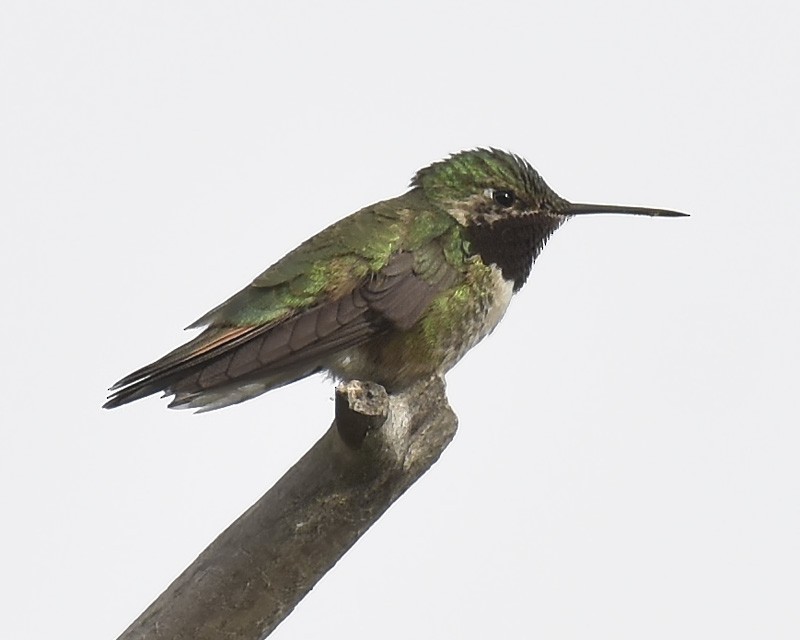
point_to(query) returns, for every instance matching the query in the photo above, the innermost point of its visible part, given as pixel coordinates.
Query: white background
(626, 463)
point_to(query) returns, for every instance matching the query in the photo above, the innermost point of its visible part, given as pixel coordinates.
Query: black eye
(503, 197)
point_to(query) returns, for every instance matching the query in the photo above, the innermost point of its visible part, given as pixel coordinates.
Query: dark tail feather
(178, 365)
(133, 392)
(190, 394)
(226, 365)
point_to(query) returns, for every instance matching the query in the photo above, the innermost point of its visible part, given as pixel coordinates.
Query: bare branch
(252, 576)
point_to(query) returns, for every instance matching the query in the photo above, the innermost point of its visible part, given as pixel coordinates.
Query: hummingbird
(393, 293)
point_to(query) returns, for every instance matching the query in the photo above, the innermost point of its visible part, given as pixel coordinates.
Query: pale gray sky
(626, 463)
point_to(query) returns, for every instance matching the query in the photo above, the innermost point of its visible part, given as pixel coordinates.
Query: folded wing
(229, 364)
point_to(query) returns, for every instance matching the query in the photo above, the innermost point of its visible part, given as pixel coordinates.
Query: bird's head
(484, 186)
(508, 210)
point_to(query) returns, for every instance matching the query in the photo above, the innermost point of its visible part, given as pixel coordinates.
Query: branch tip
(360, 408)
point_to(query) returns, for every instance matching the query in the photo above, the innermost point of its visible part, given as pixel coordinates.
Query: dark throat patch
(512, 243)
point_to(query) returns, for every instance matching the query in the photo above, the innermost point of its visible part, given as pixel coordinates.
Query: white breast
(503, 290)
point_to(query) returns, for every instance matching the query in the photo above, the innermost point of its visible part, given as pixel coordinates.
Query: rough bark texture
(253, 575)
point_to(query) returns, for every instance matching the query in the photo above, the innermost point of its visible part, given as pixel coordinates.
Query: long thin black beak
(580, 209)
